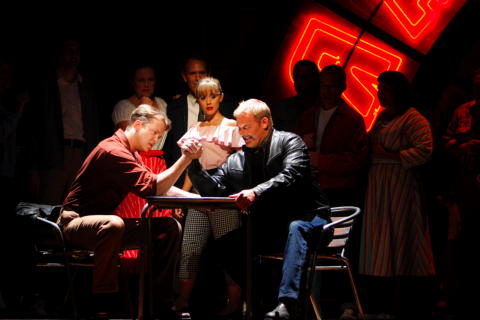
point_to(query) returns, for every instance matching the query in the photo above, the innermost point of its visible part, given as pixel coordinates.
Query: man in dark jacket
(271, 178)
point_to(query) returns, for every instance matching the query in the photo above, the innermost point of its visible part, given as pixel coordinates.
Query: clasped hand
(191, 148)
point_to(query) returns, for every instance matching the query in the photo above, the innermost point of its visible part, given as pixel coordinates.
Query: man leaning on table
(112, 170)
(271, 177)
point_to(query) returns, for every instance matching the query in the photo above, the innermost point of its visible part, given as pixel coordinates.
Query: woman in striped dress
(395, 241)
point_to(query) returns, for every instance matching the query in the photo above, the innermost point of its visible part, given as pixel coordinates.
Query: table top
(185, 202)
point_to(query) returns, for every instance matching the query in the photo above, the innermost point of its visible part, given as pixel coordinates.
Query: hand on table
(244, 199)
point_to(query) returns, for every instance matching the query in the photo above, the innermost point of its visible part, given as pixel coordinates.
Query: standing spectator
(143, 84)
(286, 113)
(184, 112)
(12, 275)
(461, 143)
(395, 244)
(336, 136)
(219, 137)
(11, 108)
(66, 128)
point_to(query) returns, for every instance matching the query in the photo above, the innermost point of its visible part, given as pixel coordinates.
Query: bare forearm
(167, 178)
(177, 192)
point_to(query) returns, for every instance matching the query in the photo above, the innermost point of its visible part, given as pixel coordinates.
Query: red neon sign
(417, 23)
(415, 18)
(327, 39)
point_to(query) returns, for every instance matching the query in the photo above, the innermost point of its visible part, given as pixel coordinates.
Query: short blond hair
(208, 83)
(258, 108)
(145, 113)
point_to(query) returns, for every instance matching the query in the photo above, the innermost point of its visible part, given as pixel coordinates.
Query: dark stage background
(240, 39)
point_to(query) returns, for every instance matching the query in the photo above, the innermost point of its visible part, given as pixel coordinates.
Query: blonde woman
(219, 137)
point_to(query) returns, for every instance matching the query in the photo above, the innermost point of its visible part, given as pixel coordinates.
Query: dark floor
(49, 303)
(40, 294)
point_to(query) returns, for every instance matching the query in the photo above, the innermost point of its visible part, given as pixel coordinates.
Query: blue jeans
(295, 255)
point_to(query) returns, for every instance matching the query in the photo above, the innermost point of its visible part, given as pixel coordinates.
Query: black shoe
(279, 313)
(99, 316)
(236, 315)
(165, 312)
(349, 312)
(183, 315)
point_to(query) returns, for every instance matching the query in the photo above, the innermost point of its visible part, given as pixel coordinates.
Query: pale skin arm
(187, 184)
(165, 180)
(177, 192)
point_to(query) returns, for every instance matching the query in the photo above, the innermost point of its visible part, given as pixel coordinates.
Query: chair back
(46, 237)
(343, 219)
(39, 222)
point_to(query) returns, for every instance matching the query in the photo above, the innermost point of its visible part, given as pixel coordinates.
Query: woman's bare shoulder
(230, 122)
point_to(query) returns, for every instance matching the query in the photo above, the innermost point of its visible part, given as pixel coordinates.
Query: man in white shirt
(66, 124)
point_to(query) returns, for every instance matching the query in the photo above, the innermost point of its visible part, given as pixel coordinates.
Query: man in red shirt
(112, 170)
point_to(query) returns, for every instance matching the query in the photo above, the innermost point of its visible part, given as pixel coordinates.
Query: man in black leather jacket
(271, 178)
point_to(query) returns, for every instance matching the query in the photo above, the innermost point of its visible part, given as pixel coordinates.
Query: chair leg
(71, 290)
(309, 273)
(314, 305)
(354, 289)
(125, 279)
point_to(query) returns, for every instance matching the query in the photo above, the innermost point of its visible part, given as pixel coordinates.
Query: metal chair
(50, 249)
(333, 256)
(338, 230)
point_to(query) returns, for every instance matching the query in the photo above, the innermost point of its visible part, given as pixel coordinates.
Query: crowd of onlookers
(416, 181)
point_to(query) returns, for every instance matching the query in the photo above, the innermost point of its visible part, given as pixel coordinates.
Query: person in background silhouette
(461, 143)
(286, 112)
(336, 135)
(66, 128)
(143, 83)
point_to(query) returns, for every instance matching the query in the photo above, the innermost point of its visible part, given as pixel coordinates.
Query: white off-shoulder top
(217, 141)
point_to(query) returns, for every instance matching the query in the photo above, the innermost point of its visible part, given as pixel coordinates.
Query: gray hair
(258, 108)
